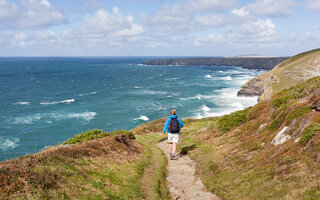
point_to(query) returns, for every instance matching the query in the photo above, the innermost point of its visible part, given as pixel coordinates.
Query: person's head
(173, 112)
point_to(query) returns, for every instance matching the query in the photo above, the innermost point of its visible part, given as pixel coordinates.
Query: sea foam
(6, 144)
(142, 117)
(26, 103)
(57, 102)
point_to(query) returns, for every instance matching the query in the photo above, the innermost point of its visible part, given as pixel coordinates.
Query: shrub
(228, 122)
(88, 135)
(299, 111)
(123, 132)
(278, 120)
(279, 101)
(309, 132)
(94, 134)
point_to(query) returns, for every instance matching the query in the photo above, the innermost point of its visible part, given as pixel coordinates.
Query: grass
(309, 132)
(154, 176)
(94, 134)
(228, 122)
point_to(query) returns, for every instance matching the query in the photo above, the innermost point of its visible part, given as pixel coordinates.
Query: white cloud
(115, 23)
(272, 8)
(39, 39)
(209, 40)
(253, 32)
(105, 28)
(8, 10)
(29, 15)
(259, 30)
(212, 20)
(313, 5)
(240, 12)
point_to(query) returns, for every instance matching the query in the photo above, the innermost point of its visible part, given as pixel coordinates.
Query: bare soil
(183, 184)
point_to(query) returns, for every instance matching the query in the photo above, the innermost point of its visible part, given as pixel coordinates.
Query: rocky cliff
(262, 63)
(285, 75)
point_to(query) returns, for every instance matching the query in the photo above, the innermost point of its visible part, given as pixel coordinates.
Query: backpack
(174, 126)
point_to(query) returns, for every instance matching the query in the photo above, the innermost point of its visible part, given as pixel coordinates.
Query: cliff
(284, 75)
(261, 63)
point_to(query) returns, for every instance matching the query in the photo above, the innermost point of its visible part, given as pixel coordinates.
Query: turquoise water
(45, 101)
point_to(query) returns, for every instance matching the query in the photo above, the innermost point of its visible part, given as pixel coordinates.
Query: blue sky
(158, 27)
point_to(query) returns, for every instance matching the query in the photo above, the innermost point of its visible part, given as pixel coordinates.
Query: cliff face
(262, 63)
(285, 75)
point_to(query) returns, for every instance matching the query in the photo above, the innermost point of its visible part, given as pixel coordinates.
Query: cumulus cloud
(255, 31)
(313, 5)
(104, 27)
(32, 14)
(272, 8)
(8, 10)
(39, 39)
(240, 12)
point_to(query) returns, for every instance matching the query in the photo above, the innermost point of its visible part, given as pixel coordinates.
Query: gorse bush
(228, 122)
(94, 134)
(309, 132)
(299, 111)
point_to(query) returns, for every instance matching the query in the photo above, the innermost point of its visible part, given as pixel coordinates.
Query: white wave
(205, 108)
(208, 76)
(68, 101)
(227, 78)
(86, 115)
(29, 119)
(142, 117)
(26, 103)
(90, 93)
(151, 92)
(140, 64)
(6, 144)
(137, 87)
(190, 98)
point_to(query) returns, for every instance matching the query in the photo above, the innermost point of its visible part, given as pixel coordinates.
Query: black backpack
(174, 126)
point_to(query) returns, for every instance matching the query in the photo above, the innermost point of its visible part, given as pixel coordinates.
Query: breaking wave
(68, 101)
(26, 103)
(6, 144)
(142, 117)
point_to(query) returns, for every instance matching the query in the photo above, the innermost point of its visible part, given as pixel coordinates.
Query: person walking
(173, 125)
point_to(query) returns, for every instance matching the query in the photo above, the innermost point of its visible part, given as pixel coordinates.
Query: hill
(286, 74)
(269, 151)
(247, 62)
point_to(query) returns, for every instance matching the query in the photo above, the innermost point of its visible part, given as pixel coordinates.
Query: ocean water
(45, 101)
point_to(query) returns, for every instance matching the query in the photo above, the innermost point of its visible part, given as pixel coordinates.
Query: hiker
(173, 125)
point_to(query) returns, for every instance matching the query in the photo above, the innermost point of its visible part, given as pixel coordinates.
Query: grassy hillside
(236, 156)
(91, 165)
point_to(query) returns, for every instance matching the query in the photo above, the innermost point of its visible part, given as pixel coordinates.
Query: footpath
(182, 182)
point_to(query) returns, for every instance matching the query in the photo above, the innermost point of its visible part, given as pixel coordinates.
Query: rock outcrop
(283, 76)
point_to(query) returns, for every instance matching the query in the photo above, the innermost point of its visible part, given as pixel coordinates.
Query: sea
(47, 100)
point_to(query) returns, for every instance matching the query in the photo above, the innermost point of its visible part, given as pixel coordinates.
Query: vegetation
(309, 132)
(94, 134)
(228, 122)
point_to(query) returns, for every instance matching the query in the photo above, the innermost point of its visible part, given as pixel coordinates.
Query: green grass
(309, 132)
(154, 174)
(228, 122)
(94, 134)
(299, 111)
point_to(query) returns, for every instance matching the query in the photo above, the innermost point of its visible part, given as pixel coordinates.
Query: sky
(158, 27)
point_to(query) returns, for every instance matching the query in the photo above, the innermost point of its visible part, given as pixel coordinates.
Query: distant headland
(247, 62)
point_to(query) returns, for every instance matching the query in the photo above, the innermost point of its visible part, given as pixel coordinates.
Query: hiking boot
(171, 157)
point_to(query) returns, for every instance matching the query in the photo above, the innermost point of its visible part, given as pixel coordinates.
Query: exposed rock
(255, 87)
(281, 137)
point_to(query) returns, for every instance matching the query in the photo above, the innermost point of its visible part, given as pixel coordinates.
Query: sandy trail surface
(182, 181)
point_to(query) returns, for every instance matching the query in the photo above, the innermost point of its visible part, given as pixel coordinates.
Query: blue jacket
(166, 125)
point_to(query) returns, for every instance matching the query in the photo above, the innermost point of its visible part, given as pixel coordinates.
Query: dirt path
(182, 181)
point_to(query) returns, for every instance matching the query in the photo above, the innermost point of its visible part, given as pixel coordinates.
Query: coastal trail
(182, 182)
